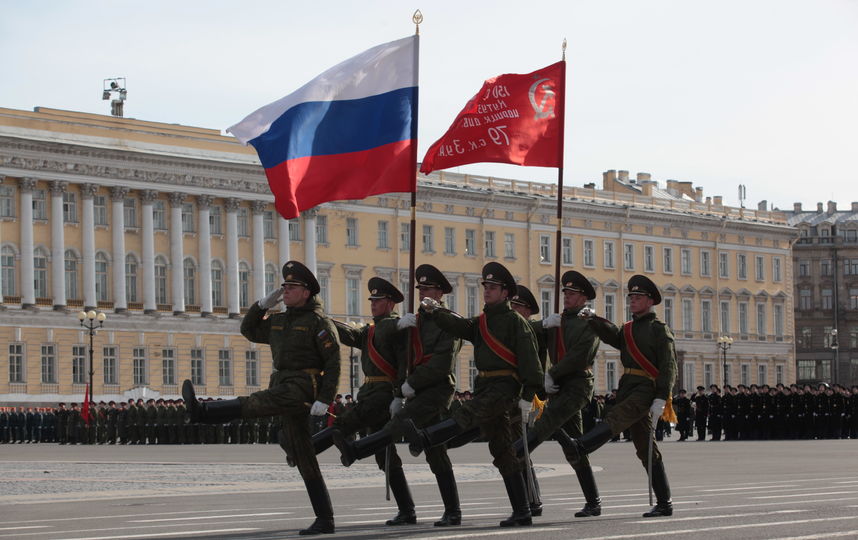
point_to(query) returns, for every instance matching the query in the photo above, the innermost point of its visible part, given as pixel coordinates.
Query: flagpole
(561, 111)
(417, 18)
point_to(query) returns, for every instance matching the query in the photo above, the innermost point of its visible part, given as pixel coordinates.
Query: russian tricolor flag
(349, 133)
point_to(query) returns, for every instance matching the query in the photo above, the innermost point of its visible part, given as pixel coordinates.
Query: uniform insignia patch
(276, 327)
(301, 328)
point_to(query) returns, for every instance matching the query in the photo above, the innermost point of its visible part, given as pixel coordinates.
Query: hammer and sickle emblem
(542, 109)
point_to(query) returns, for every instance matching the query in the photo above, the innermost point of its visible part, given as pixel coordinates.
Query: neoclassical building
(171, 231)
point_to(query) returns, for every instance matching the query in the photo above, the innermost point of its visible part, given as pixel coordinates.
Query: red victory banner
(514, 118)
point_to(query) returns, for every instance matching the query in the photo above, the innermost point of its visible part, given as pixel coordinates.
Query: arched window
(160, 280)
(189, 271)
(131, 278)
(70, 266)
(7, 266)
(217, 284)
(270, 276)
(102, 292)
(243, 285)
(40, 272)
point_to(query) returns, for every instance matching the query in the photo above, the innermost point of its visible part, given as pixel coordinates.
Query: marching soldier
(427, 389)
(508, 367)
(306, 357)
(647, 352)
(572, 345)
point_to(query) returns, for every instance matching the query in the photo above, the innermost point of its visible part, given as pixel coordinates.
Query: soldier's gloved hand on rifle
(272, 299)
(429, 304)
(552, 321)
(526, 407)
(550, 386)
(396, 405)
(409, 320)
(657, 408)
(407, 390)
(319, 409)
(586, 313)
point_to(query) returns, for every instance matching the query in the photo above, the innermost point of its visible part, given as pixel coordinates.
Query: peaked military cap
(381, 288)
(524, 297)
(497, 273)
(575, 281)
(639, 284)
(296, 273)
(429, 276)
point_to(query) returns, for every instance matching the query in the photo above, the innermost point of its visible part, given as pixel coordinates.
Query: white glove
(429, 304)
(407, 390)
(586, 313)
(408, 320)
(552, 321)
(319, 409)
(526, 407)
(272, 299)
(550, 387)
(657, 408)
(395, 405)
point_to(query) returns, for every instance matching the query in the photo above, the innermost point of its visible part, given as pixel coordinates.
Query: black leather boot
(364, 447)
(399, 487)
(532, 442)
(321, 501)
(421, 439)
(593, 506)
(450, 496)
(663, 506)
(534, 498)
(464, 438)
(515, 489)
(589, 442)
(209, 412)
(321, 442)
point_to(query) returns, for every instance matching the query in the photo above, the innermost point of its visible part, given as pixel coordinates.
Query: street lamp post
(835, 346)
(88, 320)
(724, 343)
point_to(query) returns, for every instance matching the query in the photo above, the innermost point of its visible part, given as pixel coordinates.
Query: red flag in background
(84, 411)
(514, 119)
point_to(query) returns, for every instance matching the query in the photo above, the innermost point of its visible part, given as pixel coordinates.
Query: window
(40, 273)
(70, 267)
(761, 320)
(187, 217)
(160, 280)
(688, 378)
(40, 209)
(224, 367)
(850, 267)
(805, 338)
(610, 307)
(294, 230)
(608, 260)
(102, 292)
(827, 299)
(509, 247)
(270, 275)
(667, 255)
(131, 278)
(687, 315)
(168, 366)
(268, 224)
(69, 208)
(450, 299)
(759, 268)
(159, 216)
(779, 374)
(78, 364)
(405, 236)
(449, 241)
(628, 256)
(7, 267)
(490, 244)
(761, 374)
(217, 284)
(705, 263)
(825, 267)
(725, 317)
(743, 318)
(723, 265)
(705, 315)
(708, 378)
(853, 298)
(544, 248)
(197, 363)
(741, 266)
(353, 296)
(827, 338)
(251, 368)
(243, 285)
(16, 362)
(189, 273)
(241, 222)
(685, 262)
(779, 320)
(745, 374)
(49, 364)
(428, 243)
(470, 242)
(547, 306)
(322, 231)
(215, 220)
(99, 207)
(351, 232)
(108, 360)
(668, 311)
(324, 290)
(473, 309)
(383, 235)
(805, 299)
(129, 212)
(588, 254)
(7, 201)
(611, 375)
(776, 269)
(649, 259)
(728, 374)
(566, 250)
(140, 373)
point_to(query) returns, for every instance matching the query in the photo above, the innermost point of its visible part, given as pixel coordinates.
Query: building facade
(171, 231)
(825, 257)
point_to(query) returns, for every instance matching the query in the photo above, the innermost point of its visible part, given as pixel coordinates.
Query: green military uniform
(151, 422)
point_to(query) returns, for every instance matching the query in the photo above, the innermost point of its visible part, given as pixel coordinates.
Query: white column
(258, 250)
(283, 240)
(28, 289)
(310, 238)
(177, 257)
(117, 227)
(87, 226)
(147, 257)
(204, 238)
(2, 307)
(232, 306)
(58, 245)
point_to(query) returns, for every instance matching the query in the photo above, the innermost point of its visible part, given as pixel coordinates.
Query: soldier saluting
(649, 360)
(306, 357)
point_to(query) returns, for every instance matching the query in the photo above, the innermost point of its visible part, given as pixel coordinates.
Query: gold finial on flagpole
(564, 49)
(417, 18)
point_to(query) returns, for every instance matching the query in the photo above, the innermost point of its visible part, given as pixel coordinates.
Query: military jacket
(509, 328)
(714, 405)
(300, 338)
(581, 344)
(387, 340)
(655, 341)
(442, 346)
(701, 404)
(682, 406)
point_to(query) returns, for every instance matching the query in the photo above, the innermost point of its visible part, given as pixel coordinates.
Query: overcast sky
(762, 93)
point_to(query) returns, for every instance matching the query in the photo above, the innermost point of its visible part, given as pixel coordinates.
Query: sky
(762, 93)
